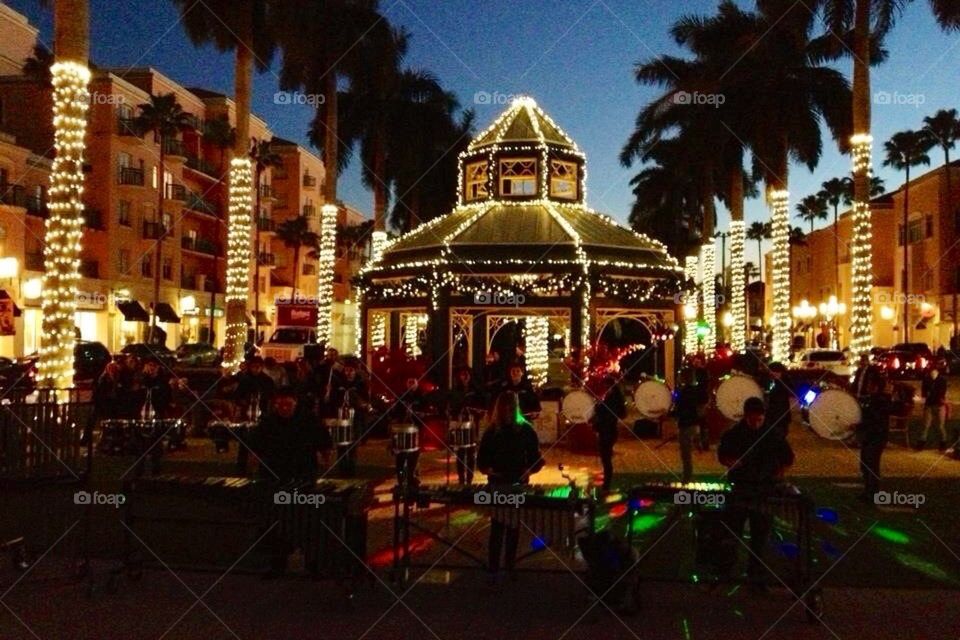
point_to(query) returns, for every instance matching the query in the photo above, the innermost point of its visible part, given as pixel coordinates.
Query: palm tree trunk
(708, 258)
(256, 258)
(779, 200)
(379, 187)
(160, 233)
(906, 257)
(738, 289)
(861, 263)
(239, 237)
(953, 217)
(296, 270)
(836, 246)
(63, 233)
(331, 147)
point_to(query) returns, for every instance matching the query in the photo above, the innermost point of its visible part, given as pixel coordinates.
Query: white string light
(708, 257)
(780, 280)
(64, 225)
(239, 255)
(861, 248)
(692, 271)
(537, 352)
(326, 259)
(738, 302)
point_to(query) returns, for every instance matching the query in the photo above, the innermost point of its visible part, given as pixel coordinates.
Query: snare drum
(460, 435)
(341, 431)
(406, 438)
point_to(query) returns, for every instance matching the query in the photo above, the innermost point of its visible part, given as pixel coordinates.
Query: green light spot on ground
(646, 522)
(686, 629)
(923, 566)
(558, 492)
(891, 535)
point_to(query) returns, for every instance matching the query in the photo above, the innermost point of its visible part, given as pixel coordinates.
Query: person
(608, 413)
(779, 400)
(689, 413)
(350, 394)
(276, 371)
(872, 433)
(408, 409)
(253, 385)
(509, 454)
(466, 401)
(934, 391)
(493, 372)
(703, 382)
(518, 383)
(153, 389)
(862, 376)
(755, 458)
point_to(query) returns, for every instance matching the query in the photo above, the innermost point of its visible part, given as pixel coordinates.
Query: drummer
(608, 413)
(152, 384)
(518, 383)
(408, 409)
(466, 401)
(779, 400)
(350, 392)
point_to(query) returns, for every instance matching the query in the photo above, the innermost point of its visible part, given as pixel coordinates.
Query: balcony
(153, 230)
(176, 192)
(89, 268)
(266, 191)
(37, 206)
(309, 181)
(200, 204)
(309, 211)
(202, 166)
(200, 282)
(309, 269)
(267, 259)
(173, 148)
(194, 122)
(13, 195)
(200, 245)
(128, 127)
(93, 219)
(33, 261)
(266, 225)
(131, 176)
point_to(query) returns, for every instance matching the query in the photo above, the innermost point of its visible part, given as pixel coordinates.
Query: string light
(738, 302)
(692, 271)
(780, 280)
(239, 255)
(708, 256)
(861, 248)
(326, 258)
(537, 335)
(64, 225)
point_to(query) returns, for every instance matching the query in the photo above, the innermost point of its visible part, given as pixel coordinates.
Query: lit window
(518, 177)
(563, 179)
(476, 183)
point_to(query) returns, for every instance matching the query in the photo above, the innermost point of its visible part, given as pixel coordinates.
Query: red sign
(296, 315)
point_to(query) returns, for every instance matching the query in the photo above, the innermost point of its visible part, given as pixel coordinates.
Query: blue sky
(574, 56)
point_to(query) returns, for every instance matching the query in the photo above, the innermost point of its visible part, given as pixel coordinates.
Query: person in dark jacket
(934, 391)
(509, 454)
(608, 413)
(779, 400)
(689, 410)
(251, 384)
(872, 433)
(518, 383)
(466, 401)
(286, 441)
(153, 389)
(866, 371)
(755, 458)
(350, 395)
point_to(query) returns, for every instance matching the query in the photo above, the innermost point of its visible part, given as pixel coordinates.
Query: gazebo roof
(523, 121)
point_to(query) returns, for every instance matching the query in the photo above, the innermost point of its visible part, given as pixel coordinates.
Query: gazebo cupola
(522, 156)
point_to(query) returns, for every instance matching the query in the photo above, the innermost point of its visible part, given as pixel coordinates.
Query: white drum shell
(733, 392)
(834, 414)
(653, 399)
(578, 407)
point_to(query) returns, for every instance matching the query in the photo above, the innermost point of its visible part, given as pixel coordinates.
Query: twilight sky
(573, 56)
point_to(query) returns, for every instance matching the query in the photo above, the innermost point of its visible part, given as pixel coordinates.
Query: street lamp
(804, 313)
(831, 310)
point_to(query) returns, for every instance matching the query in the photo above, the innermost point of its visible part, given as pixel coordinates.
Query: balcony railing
(266, 225)
(93, 219)
(266, 191)
(309, 211)
(131, 175)
(200, 204)
(200, 245)
(309, 269)
(176, 192)
(210, 285)
(37, 206)
(89, 268)
(33, 261)
(13, 195)
(267, 259)
(309, 180)
(152, 230)
(128, 127)
(173, 147)
(201, 165)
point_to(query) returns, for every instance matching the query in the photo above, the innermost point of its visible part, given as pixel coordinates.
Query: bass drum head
(733, 392)
(578, 406)
(653, 399)
(834, 414)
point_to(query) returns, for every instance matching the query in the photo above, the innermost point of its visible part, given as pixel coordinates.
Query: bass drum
(733, 392)
(653, 399)
(834, 414)
(578, 407)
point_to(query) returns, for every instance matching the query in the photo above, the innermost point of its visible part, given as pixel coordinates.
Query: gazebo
(521, 249)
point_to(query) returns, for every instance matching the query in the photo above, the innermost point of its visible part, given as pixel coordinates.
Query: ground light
(645, 522)
(891, 535)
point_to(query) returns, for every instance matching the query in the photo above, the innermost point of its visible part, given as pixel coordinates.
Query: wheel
(814, 605)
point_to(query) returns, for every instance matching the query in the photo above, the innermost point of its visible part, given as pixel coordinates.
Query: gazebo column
(479, 322)
(363, 322)
(580, 328)
(393, 339)
(439, 342)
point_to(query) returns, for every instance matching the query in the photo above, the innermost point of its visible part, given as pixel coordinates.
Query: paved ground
(887, 572)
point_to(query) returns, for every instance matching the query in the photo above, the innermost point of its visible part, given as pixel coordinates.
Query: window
(167, 220)
(123, 210)
(124, 111)
(146, 267)
(929, 223)
(563, 179)
(124, 261)
(167, 269)
(124, 159)
(915, 231)
(518, 177)
(476, 182)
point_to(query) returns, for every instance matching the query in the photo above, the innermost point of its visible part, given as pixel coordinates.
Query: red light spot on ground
(384, 557)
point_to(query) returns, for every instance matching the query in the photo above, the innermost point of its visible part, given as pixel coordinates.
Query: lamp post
(832, 310)
(804, 313)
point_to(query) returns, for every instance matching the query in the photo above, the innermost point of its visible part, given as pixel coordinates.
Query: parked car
(89, 361)
(198, 354)
(831, 360)
(907, 360)
(145, 351)
(949, 360)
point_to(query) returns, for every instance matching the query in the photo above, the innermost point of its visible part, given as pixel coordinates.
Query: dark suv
(908, 360)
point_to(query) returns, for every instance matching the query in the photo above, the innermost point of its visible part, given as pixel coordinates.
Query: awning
(132, 311)
(16, 310)
(165, 313)
(262, 319)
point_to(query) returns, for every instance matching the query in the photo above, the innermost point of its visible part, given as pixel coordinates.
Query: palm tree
(70, 76)
(263, 157)
(944, 129)
(218, 133)
(812, 208)
(243, 27)
(797, 239)
(904, 150)
(759, 231)
(165, 118)
(295, 234)
(833, 191)
(37, 66)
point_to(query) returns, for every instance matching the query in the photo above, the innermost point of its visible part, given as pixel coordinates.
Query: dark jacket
(461, 398)
(875, 422)
(688, 406)
(250, 386)
(529, 402)
(157, 388)
(935, 391)
(509, 453)
(286, 447)
(756, 457)
(608, 413)
(779, 399)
